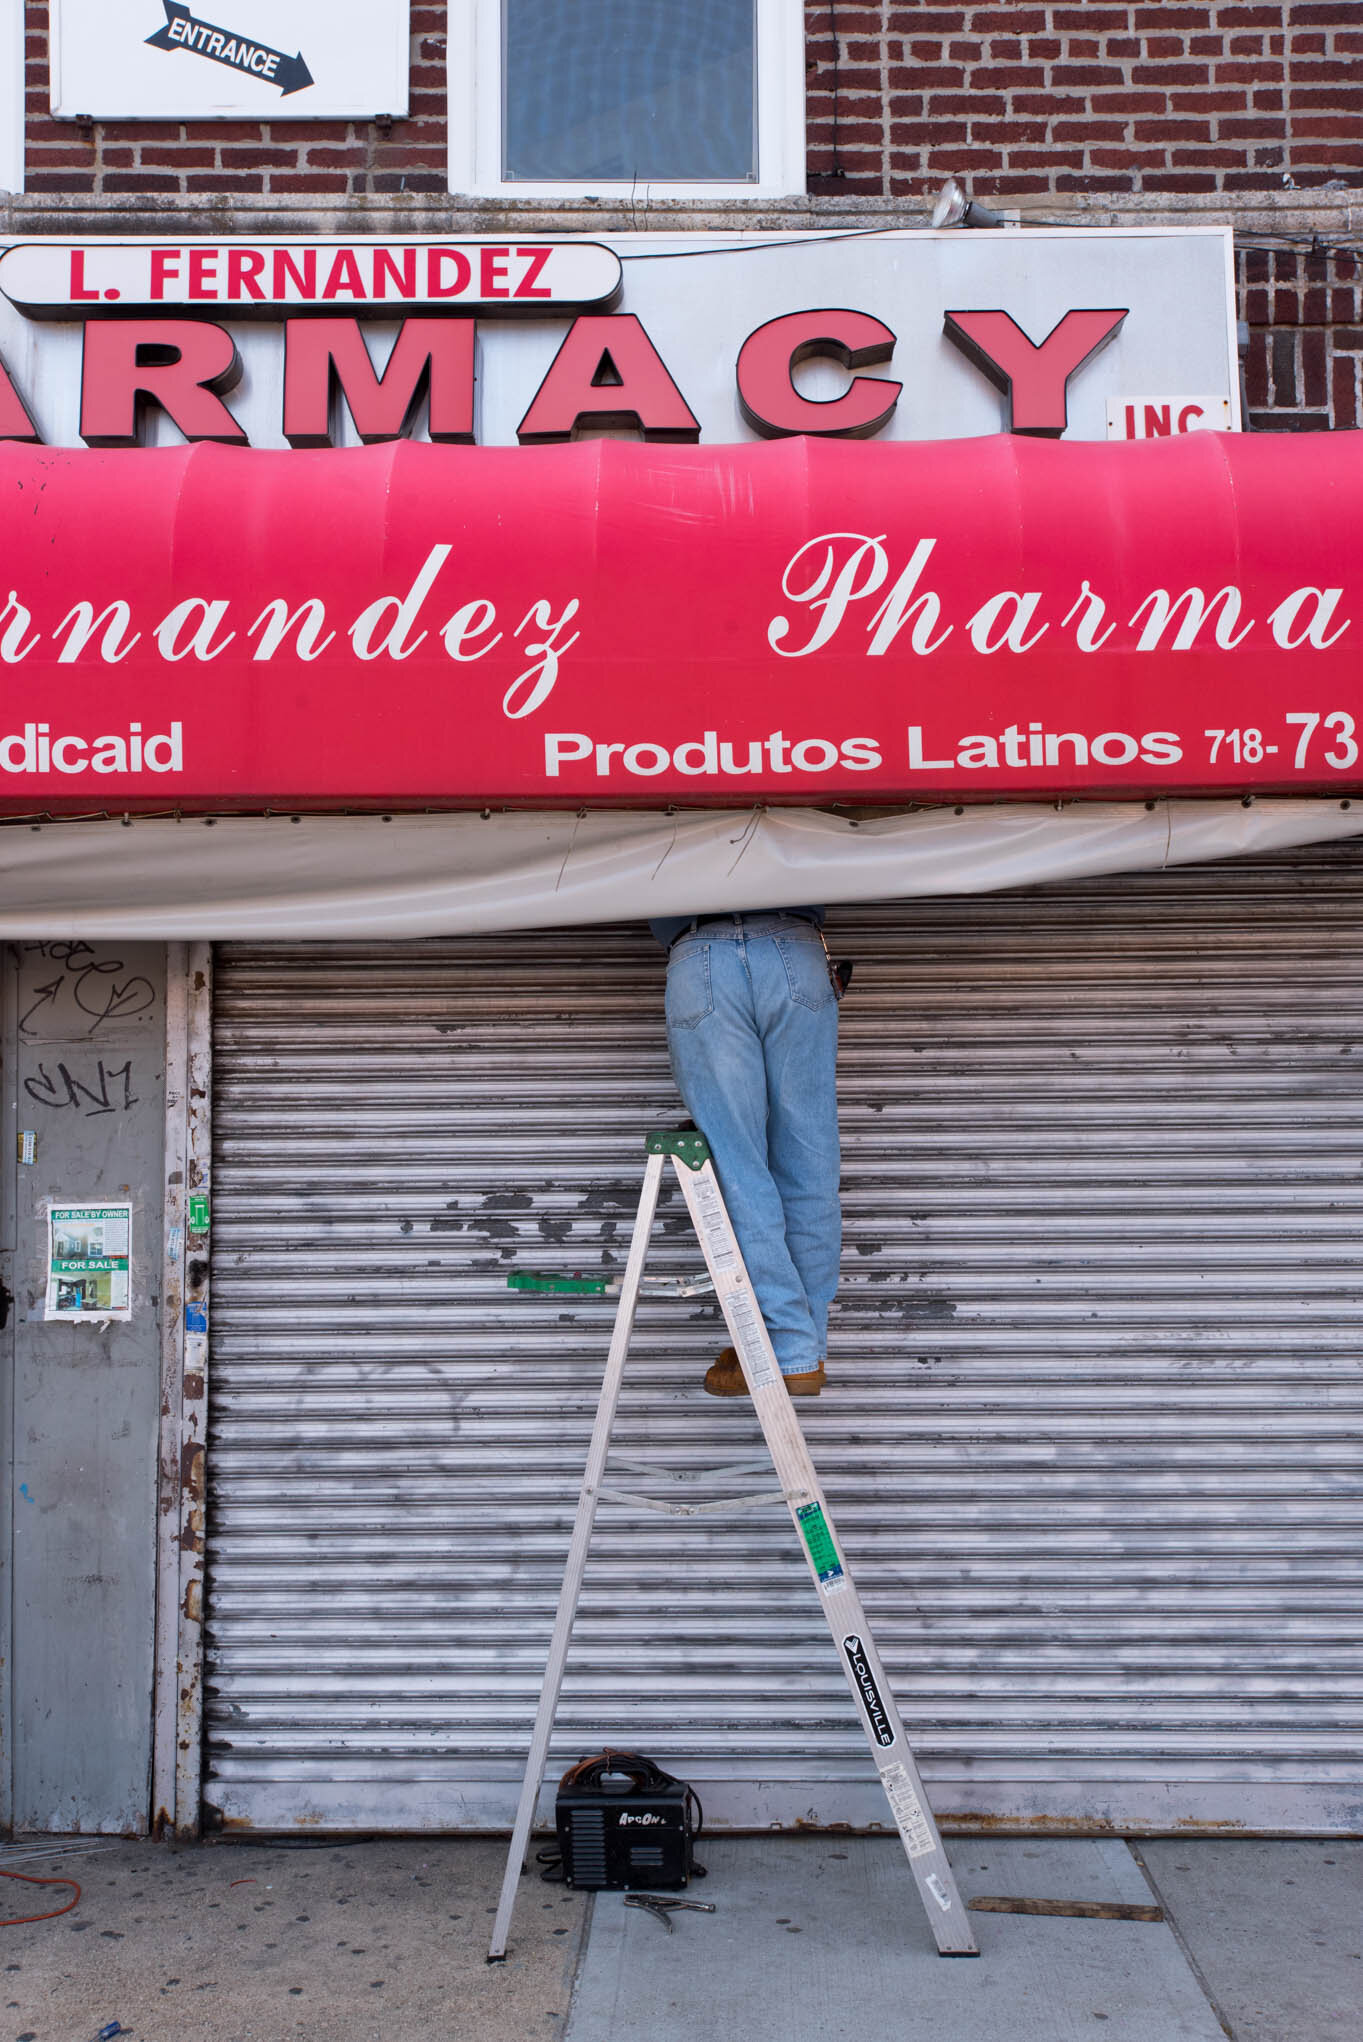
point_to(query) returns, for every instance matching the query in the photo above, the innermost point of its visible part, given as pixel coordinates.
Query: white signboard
(229, 59)
(686, 319)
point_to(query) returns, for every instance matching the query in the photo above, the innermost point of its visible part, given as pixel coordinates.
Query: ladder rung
(713, 1509)
(696, 1475)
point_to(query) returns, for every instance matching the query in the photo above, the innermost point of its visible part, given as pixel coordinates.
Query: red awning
(801, 621)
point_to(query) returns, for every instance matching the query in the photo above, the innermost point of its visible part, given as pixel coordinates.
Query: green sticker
(540, 1279)
(198, 1212)
(819, 1539)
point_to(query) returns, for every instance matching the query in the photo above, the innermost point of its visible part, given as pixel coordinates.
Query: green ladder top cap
(689, 1146)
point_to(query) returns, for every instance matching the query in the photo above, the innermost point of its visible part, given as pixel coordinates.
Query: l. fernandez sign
(798, 621)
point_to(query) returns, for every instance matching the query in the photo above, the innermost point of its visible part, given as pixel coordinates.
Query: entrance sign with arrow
(237, 60)
(184, 31)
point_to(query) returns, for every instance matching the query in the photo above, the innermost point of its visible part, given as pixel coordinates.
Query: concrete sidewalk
(381, 1941)
(814, 1939)
(1263, 1942)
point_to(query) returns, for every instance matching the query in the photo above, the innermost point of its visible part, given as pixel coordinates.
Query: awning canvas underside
(342, 878)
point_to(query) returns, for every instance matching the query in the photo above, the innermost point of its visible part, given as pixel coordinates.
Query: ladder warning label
(908, 1811)
(712, 1221)
(744, 1323)
(819, 1540)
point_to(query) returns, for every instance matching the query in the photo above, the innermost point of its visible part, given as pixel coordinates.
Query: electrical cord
(1267, 242)
(647, 1776)
(838, 169)
(1310, 246)
(18, 1920)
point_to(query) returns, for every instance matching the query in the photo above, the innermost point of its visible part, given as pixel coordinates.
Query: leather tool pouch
(840, 974)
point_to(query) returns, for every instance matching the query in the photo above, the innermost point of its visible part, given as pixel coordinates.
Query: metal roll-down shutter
(1093, 1446)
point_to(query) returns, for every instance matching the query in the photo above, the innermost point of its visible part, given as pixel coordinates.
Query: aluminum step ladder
(800, 1490)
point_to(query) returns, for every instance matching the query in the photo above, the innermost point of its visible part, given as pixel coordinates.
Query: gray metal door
(84, 1044)
(1094, 1437)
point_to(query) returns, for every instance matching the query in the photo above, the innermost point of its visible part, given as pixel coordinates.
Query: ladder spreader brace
(800, 1490)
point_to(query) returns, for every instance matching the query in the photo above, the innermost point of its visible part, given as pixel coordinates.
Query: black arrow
(293, 74)
(185, 31)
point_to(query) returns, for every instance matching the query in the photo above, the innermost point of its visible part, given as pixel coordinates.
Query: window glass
(646, 90)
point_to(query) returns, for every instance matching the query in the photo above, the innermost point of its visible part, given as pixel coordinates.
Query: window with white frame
(559, 98)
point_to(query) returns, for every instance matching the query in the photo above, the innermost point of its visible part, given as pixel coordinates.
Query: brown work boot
(724, 1378)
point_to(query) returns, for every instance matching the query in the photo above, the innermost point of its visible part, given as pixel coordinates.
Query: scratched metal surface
(88, 1076)
(1094, 1445)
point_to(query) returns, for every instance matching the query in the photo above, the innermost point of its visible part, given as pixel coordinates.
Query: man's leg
(798, 1017)
(720, 1068)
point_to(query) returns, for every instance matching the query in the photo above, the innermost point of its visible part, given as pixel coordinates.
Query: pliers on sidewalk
(662, 1908)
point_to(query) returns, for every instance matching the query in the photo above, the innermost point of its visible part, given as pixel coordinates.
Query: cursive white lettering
(276, 621)
(832, 586)
(405, 613)
(211, 614)
(545, 652)
(1283, 620)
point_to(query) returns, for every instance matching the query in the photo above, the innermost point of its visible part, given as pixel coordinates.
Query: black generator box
(622, 1821)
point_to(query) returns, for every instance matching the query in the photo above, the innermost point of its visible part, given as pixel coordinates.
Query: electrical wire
(1267, 242)
(1313, 245)
(793, 240)
(18, 1920)
(838, 170)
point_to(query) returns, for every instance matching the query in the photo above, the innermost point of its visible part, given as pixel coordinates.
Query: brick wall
(1026, 101)
(1040, 106)
(1304, 364)
(1041, 101)
(300, 159)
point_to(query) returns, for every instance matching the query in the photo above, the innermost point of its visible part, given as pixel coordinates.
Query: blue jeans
(752, 1025)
